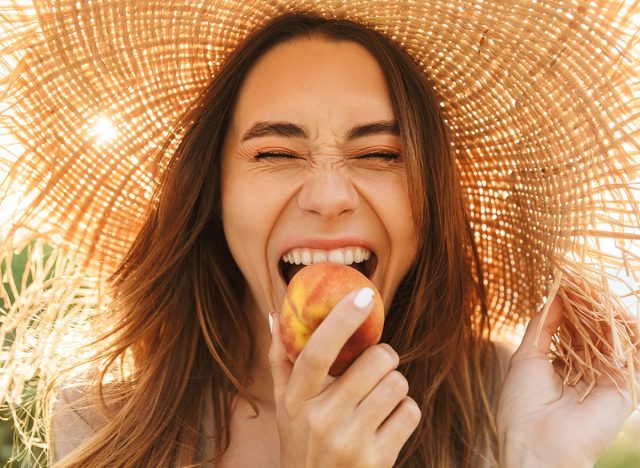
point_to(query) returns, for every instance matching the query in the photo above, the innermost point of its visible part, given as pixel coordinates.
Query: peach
(312, 293)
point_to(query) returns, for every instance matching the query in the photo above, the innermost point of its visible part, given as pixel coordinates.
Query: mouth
(288, 270)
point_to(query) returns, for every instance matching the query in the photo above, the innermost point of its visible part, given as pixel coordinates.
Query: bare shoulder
(73, 420)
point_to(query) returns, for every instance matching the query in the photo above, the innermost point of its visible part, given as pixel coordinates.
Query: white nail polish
(364, 298)
(271, 324)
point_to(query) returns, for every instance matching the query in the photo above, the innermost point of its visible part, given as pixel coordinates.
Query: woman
(319, 136)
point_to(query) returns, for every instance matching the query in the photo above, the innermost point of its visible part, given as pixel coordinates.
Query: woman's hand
(541, 421)
(359, 419)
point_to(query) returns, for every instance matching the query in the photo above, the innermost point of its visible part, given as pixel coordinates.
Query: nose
(328, 193)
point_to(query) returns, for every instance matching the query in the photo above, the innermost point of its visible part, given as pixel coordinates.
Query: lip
(326, 244)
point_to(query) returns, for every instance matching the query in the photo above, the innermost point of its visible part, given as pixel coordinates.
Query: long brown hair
(177, 294)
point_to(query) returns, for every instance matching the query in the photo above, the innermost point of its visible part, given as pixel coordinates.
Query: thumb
(536, 342)
(281, 366)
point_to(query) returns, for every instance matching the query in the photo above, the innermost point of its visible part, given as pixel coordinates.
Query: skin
(326, 88)
(541, 421)
(363, 418)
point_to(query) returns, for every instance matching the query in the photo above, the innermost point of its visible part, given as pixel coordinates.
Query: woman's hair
(177, 294)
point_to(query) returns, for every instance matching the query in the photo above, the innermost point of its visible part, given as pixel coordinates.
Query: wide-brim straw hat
(542, 100)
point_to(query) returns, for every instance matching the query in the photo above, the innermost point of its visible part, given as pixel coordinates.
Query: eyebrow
(288, 129)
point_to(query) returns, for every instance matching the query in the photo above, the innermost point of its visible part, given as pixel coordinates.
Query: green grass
(6, 440)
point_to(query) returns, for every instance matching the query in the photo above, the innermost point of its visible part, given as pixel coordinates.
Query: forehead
(314, 78)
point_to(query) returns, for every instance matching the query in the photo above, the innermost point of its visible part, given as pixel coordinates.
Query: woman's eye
(389, 156)
(270, 154)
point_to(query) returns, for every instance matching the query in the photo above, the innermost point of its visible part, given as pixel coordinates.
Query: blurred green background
(624, 452)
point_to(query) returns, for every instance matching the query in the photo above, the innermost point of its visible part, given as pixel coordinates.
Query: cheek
(238, 220)
(392, 204)
(400, 227)
(249, 210)
(390, 199)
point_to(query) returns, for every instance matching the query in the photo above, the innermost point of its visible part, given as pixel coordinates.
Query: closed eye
(389, 156)
(269, 154)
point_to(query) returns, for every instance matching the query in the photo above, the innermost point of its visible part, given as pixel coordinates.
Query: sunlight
(104, 130)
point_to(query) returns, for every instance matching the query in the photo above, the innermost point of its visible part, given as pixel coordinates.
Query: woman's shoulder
(73, 420)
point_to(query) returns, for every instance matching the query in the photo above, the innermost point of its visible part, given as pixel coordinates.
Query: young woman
(320, 140)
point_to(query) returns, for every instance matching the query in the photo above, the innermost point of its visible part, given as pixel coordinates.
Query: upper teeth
(346, 255)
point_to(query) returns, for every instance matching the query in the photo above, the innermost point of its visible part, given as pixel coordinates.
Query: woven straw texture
(542, 100)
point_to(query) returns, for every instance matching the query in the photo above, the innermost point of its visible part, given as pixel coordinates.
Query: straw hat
(541, 97)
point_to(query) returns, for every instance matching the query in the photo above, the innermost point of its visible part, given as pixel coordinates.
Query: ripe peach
(311, 294)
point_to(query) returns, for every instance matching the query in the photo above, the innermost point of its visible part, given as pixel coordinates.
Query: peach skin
(312, 293)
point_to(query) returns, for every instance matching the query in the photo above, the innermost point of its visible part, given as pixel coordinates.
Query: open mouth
(367, 268)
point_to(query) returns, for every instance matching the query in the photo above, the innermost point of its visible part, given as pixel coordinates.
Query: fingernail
(364, 298)
(270, 323)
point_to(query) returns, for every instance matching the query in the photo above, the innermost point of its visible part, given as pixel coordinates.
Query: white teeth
(319, 257)
(306, 257)
(357, 255)
(336, 256)
(346, 255)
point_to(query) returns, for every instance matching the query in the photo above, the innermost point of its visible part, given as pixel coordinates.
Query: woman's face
(327, 193)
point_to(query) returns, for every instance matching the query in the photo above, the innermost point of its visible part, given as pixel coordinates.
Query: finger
(580, 303)
(363, 375)
(281, 366)
(320, 352)
(536, 342)
(602, 334)
(399, 426)
(381, 401)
